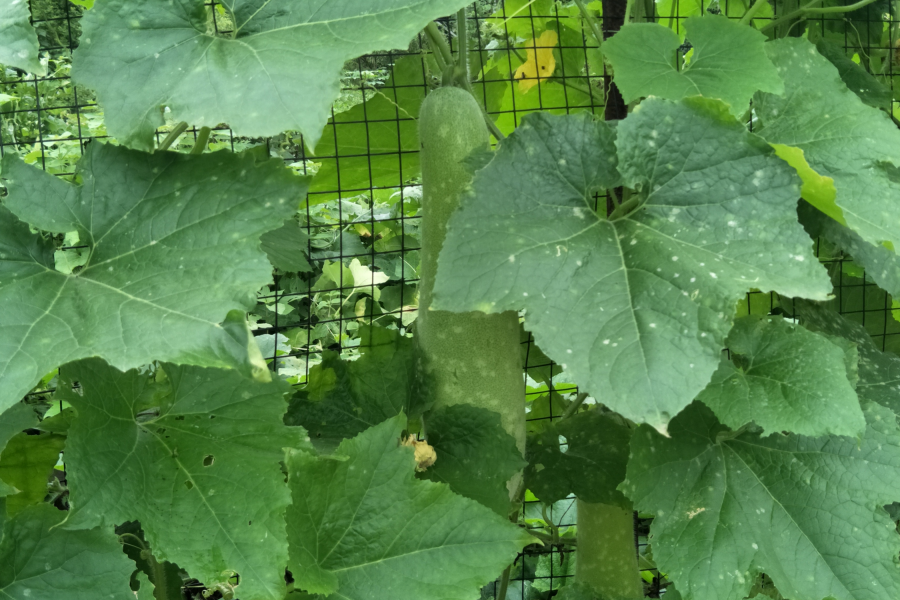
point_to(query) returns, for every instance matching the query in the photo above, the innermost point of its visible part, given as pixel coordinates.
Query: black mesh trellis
(363, 208)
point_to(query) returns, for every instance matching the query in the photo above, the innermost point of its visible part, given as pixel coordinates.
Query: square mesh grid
(362, 213)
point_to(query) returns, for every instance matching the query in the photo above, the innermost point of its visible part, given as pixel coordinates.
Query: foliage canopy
(676, 263)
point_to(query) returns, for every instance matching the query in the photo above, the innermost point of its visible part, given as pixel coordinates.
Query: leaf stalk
(576, 404)
(173, 135)
(553, 540)
(202, 141)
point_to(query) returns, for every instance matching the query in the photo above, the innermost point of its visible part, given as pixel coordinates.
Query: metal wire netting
(361, 215)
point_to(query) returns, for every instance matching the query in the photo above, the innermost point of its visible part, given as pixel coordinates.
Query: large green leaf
(40, 560)
(194, 458)
(174, 246)
(806, 511)
(12, 422)
(841, 137)
(881, 263)
(784, 377)
(729, 62)
(136, 549)
(374, 144)
(879, 372)
(145, 589)
(590, 466)
(27, 465)
(344, 398)
(276, 68)
(287, 246)
(577, 590)
(362, 527)
(857, 79)
(18, 40)
(475, 455)
(635, 309)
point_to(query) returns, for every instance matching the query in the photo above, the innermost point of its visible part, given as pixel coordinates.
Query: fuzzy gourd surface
(473, 357)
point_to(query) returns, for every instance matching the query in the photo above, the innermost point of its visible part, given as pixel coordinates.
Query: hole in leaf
(189, 485)
(208, 460)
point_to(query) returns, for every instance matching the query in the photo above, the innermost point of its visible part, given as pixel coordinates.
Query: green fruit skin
(607, 559)
(470, 357)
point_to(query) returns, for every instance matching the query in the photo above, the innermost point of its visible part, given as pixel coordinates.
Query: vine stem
(202, 140)
(504, 583)
(492, 127)
(173, 135)
(629, 7)
(576, 404)
(751, 12)
(443, 53)
(551, 539)
(591, 21)
(438, 58)
(439, 43)
(623, 208)
(810, 9)
(615, 197)
(158, 572)
(462, 37)
(586, 90)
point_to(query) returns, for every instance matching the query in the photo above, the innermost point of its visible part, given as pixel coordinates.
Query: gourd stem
(173, 135)
(606, 559)
(591, 21)
(202, 140)
(751, 12)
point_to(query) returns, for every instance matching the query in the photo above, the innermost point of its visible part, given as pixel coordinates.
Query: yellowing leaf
(363, 275)
(817, 189)
(540, 63)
